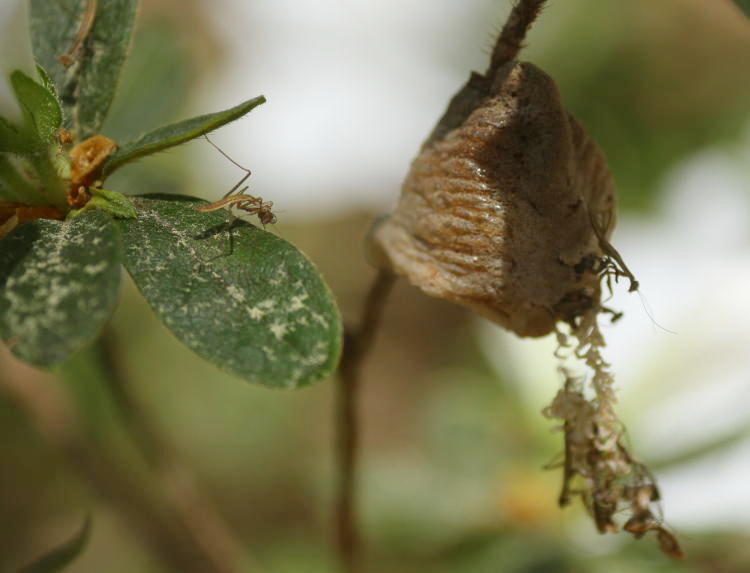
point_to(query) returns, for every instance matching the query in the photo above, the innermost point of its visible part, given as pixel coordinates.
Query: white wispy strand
(15, 53)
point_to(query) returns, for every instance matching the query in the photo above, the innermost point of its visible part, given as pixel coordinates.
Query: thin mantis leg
(245, 169)
(240, 182)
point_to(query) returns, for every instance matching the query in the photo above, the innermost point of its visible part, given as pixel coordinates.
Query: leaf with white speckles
(58, 285)
(237, 295)
(87, 87)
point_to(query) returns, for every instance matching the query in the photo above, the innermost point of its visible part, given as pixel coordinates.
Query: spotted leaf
(59, 283)
(239, 296)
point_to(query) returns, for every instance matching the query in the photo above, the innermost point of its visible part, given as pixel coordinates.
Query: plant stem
(87, 23)
(357, 342)
(510, 42)
(179, 485)
(154, 520)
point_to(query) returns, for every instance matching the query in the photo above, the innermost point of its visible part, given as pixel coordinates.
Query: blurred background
(454, 442)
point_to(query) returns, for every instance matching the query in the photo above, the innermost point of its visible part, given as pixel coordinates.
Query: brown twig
(84, 29)
(202, 519)
(510, 42)
(357, 342)
(155, 521)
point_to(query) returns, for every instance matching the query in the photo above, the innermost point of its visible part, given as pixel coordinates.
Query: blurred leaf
(176, 134)
(744, 5)
(481, 552)
(643, 106)
(39, 105)
(60, 557)
(58, 285)
(88, 86)
(240, 297)
(13, 139)
(9, 177)
(156, 80)
(112, 202)
(696, 452)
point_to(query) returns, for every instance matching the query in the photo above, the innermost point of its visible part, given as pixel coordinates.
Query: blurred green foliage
(744, 5)
(653, 82)
(452, 478)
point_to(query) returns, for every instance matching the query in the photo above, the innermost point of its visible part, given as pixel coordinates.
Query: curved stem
(179, 485)
(357, 343)
(84, 29)
(510, 42)
(155, 519)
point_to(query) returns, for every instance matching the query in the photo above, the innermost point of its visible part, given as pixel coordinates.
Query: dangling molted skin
(496, 212)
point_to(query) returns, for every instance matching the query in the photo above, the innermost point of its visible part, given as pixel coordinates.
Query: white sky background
(353, 88)
(15, 53)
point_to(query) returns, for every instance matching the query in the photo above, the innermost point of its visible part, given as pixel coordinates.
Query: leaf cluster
(239, 296)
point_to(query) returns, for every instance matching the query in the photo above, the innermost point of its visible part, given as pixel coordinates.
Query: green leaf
(112, 202)
(58, 285)
(176, 134)
(47, 83)
(13, 185)
(239, 296)
(88, 86)
(39, 106)
(14, 140)
(155, 83)
(744, 5)
(60, 557)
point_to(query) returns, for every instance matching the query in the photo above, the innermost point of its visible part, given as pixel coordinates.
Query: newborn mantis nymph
(614, 265)
(247, 203)
(241, 201)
